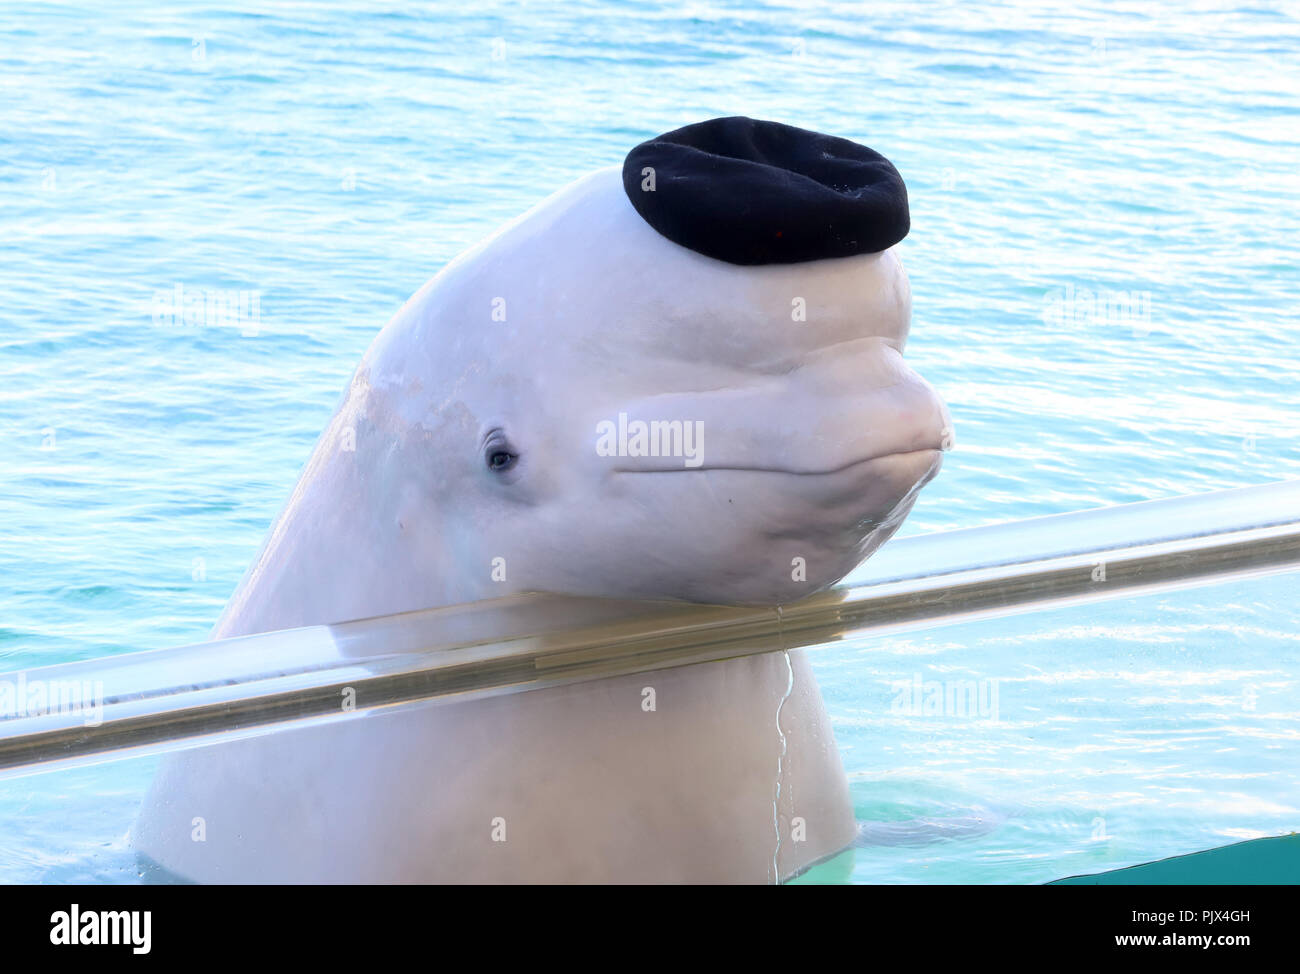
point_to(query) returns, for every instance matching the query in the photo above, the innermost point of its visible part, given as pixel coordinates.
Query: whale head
(581, 404)
(695, 394)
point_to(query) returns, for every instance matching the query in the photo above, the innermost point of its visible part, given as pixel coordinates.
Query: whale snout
(792, 479)
(840, 408)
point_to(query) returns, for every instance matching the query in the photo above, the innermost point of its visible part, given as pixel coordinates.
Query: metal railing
(164, 699)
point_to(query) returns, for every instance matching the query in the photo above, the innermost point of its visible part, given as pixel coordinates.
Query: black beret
(753, 192)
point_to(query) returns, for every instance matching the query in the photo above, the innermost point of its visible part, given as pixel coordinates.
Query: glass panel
(1070, 741)
(1016, 749)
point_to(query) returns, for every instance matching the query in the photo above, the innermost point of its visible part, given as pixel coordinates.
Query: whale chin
(885, 484)
(854, 501)
(826, 523)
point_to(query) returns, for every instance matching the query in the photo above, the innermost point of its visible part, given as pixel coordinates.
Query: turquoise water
(329, 162)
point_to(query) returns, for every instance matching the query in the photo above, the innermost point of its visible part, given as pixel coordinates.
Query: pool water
(1104, 260)
(1095, 736)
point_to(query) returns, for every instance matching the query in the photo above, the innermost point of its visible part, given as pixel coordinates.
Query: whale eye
(499, 460)
(498, 452)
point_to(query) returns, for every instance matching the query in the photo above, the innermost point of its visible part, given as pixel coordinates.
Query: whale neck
(328, 559)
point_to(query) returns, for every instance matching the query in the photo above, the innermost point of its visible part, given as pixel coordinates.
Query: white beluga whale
(677, 379)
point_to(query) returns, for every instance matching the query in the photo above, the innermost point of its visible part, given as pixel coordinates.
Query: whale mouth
(850, 467)
(841, 409)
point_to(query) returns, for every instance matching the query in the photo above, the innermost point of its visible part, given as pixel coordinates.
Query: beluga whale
(678, 378)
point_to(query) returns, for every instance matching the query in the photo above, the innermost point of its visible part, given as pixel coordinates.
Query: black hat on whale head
(754, 192)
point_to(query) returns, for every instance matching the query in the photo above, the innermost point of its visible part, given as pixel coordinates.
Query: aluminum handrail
(164, 699)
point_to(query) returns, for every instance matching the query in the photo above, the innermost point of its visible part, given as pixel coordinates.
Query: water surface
(1104, 262)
